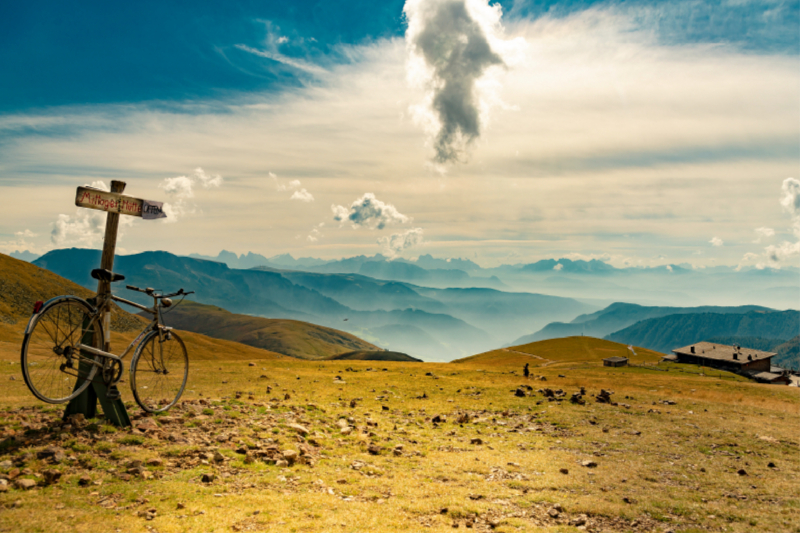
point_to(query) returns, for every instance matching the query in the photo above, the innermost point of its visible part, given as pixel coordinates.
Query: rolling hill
(288, 337)
(366, 355)
(22, 284)
(665, 333)
(562, 350)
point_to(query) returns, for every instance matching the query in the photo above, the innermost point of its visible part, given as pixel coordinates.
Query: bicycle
(61, 350)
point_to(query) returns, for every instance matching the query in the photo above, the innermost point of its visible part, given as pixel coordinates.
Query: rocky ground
(439, 450)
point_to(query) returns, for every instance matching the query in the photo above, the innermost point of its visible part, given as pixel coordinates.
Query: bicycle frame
(155, 324)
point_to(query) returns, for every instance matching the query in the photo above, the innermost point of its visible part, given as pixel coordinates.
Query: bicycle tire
(48, 355)
(159, 370)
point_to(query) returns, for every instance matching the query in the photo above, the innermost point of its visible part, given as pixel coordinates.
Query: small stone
(346, 431)
(626, 499)
(208, 478)
(290, 456)
(218, 457)
(589, 464)
(374, 449)
(742, 472)
(476, 440)
(25, 484)
(180, 505)
(553, 512)
(281, 463)
(771, 465)
(564, 471)
(51, 476)
(520, 392)
(300, 429)
(155, 462)
(251, 364)
(84, 480)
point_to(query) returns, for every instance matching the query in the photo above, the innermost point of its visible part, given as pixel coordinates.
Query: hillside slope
(669, 332)
(563, 350)
(288, 337)
(22, 284)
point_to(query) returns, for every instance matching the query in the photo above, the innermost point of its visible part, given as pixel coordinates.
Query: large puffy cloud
(395, 244)
(451, 47)
(369, 212)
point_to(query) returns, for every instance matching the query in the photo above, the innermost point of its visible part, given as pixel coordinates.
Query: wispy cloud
(396, 243)
(286, 60)
(716, 241)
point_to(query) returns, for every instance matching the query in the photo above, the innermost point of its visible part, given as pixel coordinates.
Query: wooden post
(107, 261)
(86, 402)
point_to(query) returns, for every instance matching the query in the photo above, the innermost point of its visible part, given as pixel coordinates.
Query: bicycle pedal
(113, 394)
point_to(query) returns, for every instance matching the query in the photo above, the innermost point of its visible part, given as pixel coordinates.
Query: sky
(639, 133)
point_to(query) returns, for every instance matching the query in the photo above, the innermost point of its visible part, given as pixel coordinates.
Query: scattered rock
(374, 449)
(290, 456)
(218, 457)
(51, 476)
(476, 440)
(771, 465)
(553, 512)
(589, 464)
(300, 429)
(564, 471)
(208, 478)
(742, 472)
(25, 484)
(84, 480)
(520, 392)
(251, 364)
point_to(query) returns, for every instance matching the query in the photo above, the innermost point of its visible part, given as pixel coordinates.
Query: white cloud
(27, 234)
(302, 195)
(763, 233)
(181, 188)
(716, 241)
(369, 212)
(396, 243)
(558, 267)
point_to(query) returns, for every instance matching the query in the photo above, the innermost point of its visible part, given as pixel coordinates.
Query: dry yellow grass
(659, 467)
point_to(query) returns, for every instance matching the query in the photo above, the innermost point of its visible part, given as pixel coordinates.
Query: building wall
(731, 366)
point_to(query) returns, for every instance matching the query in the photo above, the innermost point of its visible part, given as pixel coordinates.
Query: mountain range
(390, 314)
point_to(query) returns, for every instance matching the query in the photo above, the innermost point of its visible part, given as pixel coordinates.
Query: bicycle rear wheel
(159, 370)
(54, 370)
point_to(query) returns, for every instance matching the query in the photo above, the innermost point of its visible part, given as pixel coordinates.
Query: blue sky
(605, 113)
(60, 54)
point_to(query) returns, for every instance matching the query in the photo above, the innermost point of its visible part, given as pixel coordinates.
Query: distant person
(526, 371)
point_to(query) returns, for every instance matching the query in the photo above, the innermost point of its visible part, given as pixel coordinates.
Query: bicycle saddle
(103, 274)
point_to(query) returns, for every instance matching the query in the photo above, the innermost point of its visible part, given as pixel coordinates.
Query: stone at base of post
(86, 402)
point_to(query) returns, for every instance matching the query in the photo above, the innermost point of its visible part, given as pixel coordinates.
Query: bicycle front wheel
(159, 370)
(54, 370)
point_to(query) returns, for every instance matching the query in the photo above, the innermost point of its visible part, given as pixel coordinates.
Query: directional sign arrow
(112, 202)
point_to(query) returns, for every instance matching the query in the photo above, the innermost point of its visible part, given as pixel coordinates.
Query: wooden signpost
(115, 204)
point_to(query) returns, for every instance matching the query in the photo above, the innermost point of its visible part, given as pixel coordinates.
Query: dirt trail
(549, 361)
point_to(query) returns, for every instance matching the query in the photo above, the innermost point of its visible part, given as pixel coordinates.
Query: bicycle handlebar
(149, 291)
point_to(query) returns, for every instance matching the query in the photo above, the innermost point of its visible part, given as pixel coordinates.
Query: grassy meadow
(389, 446)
